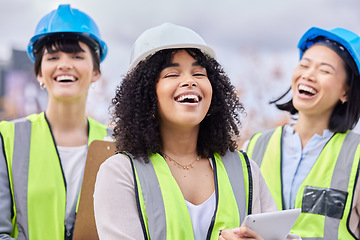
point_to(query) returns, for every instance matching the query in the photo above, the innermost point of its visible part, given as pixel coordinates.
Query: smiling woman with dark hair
(313, 164)
(42, 156)
(176, 117)
(136, 108)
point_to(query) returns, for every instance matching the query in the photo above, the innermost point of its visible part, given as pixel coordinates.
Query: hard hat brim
(39, 40)
(203, 48)
(349, 40)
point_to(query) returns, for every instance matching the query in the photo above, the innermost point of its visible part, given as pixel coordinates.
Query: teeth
(65, 77)
(191, 96)
(307, 89)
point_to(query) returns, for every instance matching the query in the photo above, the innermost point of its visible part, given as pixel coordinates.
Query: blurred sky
(255, 40)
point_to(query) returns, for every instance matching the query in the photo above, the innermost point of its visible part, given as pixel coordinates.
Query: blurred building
(20, 94)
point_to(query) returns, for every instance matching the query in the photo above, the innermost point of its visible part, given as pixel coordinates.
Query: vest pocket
(324, 201)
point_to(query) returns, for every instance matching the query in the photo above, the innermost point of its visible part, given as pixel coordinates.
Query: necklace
(187, 167)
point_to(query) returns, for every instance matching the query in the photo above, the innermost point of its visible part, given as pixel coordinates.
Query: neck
(68, 123)
(180, 143)
(308, 126)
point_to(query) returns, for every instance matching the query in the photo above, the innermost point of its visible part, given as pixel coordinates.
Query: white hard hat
(166, 36)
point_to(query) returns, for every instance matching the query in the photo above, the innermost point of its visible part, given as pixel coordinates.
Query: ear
(40, 78)
(344, 99)
(96, 76)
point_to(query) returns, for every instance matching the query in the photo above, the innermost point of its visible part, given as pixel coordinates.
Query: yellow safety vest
(327, 192)
(36, 178)
(168, 217)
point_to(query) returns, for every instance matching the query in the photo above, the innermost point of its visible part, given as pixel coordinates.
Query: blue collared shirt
(297, 161)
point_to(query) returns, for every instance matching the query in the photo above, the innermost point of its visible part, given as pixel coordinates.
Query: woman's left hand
(239, 233)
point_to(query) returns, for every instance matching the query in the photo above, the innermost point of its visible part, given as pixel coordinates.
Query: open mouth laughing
(307, 90)
(188, 98)
(65, 78)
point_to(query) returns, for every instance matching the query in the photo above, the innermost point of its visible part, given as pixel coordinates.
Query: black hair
(134, 108)
(63, 45)
(345, 115)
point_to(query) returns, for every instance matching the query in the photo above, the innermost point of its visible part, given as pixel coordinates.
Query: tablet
(273, 225)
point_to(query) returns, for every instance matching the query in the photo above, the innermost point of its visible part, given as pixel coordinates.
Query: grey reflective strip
(340, 178)
(260, 146)
(154, 204)
(20, 171)
(6, 206)
(233, 166)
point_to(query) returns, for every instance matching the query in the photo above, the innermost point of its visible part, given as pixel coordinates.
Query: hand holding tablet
(273, 225)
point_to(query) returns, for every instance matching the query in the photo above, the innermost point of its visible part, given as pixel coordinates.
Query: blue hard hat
(66, 22)
(348, 39)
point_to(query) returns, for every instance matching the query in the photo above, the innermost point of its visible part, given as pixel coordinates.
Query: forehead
(322, 53)
(66, 46)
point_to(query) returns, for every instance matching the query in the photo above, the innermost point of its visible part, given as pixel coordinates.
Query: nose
(189, 82)
(65, 65)
(308, 76)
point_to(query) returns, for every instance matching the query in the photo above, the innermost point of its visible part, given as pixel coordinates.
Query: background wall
(255, 41)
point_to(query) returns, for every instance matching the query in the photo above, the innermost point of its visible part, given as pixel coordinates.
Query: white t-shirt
(73, 163)
(201, 216)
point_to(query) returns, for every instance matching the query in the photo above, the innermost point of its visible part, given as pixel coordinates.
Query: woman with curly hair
(178, 174)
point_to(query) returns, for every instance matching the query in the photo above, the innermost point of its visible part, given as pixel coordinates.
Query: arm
(354, 223)
(5, 197)
(115, 208)
(262, 198)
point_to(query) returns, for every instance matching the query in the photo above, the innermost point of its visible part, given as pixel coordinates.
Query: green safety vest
(37, 182)
(161, 205)
(326, 195)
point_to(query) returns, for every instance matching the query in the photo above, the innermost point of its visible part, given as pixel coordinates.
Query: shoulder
(348, 139)
(354, 135)
(5, 125)
(7, 128)
(115, 172)
(118, 164)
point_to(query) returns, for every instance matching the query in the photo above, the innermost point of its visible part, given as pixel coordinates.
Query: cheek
(295, 75)
(294, 78)
(206, 88)
(163, 92)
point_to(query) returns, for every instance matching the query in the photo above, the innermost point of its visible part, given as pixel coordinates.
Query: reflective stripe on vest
(168, 218)
(260, 146)
(315, 221)
(20, 170)
(269, 144)
(38, 184)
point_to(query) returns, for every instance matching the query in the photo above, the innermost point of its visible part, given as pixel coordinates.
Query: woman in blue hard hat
(42, 156)
(176, 118)
(314, 162)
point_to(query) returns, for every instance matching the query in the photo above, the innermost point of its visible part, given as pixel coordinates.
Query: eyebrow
(195, 64)
(323, 63)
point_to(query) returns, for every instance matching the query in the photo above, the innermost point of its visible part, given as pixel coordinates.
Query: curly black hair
(134, 108)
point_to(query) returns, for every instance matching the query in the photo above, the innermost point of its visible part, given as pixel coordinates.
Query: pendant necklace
(186, 167)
